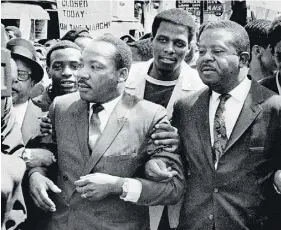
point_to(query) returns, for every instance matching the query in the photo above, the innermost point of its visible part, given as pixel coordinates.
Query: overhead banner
(95, 15)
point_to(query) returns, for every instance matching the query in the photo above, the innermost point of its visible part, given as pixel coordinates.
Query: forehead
(68, 54)
(218, 36)
(98, 49)
(172, 30)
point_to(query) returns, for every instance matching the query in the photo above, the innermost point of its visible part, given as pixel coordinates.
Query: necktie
(220, 137)
(94, 126)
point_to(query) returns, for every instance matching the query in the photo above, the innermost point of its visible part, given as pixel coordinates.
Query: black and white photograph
(140, 115)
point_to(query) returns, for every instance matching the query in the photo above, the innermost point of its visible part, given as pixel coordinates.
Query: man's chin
(69, 90)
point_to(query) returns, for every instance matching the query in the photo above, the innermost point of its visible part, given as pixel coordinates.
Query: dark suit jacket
(122, 150)
(240, 193)
(270, 83)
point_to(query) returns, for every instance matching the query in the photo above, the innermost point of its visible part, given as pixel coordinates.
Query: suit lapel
(115, 123)
(81, 120)
(249, 112)
(202, 121)
(30, 124)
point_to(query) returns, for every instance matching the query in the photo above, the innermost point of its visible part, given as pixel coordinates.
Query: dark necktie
(94, 126)
(220, 137)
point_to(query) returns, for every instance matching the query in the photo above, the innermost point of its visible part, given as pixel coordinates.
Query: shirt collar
(22, 106)
(239, 93)
(109, 106)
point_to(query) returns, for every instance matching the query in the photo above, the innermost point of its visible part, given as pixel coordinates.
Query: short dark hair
(257, 31)
(241, 41)
(177, 17)
(78, 32)
(58, 46)
(123, 56)
(274, 33)
(15, 29)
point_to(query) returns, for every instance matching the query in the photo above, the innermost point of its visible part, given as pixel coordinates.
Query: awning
(19, 10)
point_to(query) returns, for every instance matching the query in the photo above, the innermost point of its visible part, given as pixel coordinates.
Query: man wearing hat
(29, 73)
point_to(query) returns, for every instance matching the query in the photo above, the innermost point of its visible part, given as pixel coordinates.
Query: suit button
(216, 190)
(211, 217)
(65, 178)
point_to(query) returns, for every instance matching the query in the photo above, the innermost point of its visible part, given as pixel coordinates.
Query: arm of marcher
(155, 192)
(166, 135)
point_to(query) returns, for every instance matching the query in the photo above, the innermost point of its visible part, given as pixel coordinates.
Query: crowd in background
(238, 186)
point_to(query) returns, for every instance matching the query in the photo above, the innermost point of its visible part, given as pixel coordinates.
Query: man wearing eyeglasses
(29, 73)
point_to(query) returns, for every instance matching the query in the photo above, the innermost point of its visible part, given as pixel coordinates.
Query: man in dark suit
(230, 139)
(102, 139)
(274, 37)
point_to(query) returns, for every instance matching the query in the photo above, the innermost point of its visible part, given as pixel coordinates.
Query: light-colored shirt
(233, 106)
(19, 111)
(134, 186)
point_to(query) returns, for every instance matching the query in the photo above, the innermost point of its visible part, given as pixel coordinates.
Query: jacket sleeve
(11, 138)
(48, 142)
(162, 193)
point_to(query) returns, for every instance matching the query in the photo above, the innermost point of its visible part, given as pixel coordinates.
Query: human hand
(97, 186)
(157, 170)
(45, 126)
(39, 185)
(12, 172)
(38, 157)
(277, 180)
(166, 135)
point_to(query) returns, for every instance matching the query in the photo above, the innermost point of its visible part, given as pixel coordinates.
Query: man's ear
(123, 74)
(244, 58)
(257, 51)
(32, 83)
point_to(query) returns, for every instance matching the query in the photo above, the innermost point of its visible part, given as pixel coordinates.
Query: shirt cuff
(276, 189)
(134, 190)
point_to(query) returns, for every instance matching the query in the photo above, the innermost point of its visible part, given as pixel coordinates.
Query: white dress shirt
(134, 186)
(19, 111)
(233, 106)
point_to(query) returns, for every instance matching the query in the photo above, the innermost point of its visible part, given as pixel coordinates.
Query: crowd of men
(162, 143)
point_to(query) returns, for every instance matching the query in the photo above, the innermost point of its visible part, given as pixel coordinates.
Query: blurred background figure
(80, 36)
(274, 38)
(141, 50)
(13, 32)
(261, 63)
(128, 38)
(50, 43)
(239, 12)
(39, 87)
